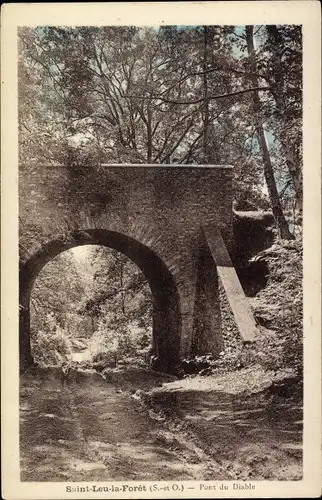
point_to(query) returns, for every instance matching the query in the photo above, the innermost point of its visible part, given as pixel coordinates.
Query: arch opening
(166, 321)
(91, 305)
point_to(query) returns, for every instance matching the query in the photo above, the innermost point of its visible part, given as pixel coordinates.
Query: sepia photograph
(173, 285)
(160, 207)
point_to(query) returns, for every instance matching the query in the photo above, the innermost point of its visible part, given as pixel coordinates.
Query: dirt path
(95, 430)
(251, 426)
(90, 431)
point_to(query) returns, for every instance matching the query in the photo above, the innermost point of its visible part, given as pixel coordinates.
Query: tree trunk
(206, 154)
(122, 286)
(149, 136)
(292, 157)
(93, 324)
(279, 217)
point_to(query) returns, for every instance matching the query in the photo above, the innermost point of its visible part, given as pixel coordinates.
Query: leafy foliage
(173, 94)
(58, 289)
(122, 304)
(102, 300)
(51, 345)
(279, 306)
(89, 96)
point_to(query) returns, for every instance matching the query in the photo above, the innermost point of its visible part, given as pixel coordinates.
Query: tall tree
(119, 293)
(285, 72)
(183, 94)
(205, 117)
(58, 290)
(106, 80)
(258, 119)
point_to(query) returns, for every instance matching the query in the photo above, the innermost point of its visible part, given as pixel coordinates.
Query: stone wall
(153, 214)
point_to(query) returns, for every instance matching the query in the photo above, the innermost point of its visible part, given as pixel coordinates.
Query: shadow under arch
(166, 332)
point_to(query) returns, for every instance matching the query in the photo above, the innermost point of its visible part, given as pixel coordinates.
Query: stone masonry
(153, 214)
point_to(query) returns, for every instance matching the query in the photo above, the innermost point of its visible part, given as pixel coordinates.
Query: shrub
(51, 346)
(279, 307)
(111, 346)
(280, 303)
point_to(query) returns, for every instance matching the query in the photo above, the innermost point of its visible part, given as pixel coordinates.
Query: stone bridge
(155, 215)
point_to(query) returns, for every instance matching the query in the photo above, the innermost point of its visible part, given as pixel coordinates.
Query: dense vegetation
(91, 96)
(94, 300)
(278, 309)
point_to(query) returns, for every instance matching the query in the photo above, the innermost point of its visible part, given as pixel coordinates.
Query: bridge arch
(166, 332)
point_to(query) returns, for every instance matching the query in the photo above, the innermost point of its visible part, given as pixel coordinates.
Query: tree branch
(289, 182)
(198, 101)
